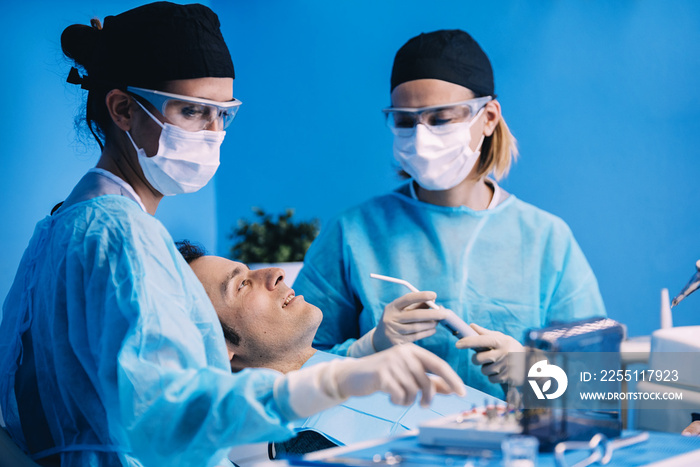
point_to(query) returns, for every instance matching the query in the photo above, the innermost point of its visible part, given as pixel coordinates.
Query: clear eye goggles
(189, 113)
(437, 117)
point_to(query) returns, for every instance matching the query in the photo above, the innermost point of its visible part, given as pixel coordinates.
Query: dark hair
(76, 42)
(192, 251)
(144, 47)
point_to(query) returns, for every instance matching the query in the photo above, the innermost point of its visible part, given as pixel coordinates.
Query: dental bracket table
(661, 450)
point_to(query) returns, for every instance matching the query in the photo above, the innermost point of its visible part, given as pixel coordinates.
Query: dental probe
(690, 287)
(453, 323)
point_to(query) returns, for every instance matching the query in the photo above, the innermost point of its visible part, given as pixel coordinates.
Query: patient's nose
(273, 277)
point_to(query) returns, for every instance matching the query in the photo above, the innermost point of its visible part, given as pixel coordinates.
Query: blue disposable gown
(122, 359)
(508, 269)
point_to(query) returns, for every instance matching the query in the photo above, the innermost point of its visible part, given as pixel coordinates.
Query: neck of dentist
(127, 168)
(472, 192)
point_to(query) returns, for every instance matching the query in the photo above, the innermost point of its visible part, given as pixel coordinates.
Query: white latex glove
(401, 372)
(407, 319)
(492, 349)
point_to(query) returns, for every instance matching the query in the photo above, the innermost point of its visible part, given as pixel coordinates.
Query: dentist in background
(450, 230)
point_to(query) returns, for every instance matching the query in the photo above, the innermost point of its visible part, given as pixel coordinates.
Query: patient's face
(271, 321)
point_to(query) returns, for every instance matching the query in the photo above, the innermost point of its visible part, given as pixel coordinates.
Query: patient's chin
(236, 367)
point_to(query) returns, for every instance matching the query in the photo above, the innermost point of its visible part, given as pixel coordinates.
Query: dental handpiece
(453, 323)
(690, 287)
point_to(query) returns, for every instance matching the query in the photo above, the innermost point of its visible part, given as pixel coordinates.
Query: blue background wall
(602, 96)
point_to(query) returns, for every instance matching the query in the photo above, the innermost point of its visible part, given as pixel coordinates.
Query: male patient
(266, 325)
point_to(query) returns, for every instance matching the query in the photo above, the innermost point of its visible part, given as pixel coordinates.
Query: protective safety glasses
(189, 113)
(437, 117)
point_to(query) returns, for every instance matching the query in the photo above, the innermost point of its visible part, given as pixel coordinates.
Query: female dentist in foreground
(110, 351)
(494, 260)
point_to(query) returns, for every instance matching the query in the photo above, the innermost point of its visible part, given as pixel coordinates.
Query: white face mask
(437, 162)
(185, 161)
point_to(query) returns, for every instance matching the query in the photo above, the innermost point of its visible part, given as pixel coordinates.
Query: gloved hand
(400, 372)
(492, 349)
(692, 430)
(407, 319)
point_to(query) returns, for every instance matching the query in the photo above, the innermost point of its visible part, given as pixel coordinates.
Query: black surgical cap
(157, 42)
(447, 55)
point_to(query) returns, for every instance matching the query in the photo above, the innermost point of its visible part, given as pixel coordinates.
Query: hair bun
(79, 41)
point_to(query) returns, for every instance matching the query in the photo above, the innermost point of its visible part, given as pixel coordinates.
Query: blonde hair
(498, 152)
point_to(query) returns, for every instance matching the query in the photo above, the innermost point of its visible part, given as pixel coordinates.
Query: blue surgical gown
(508, 269)
(112, 354)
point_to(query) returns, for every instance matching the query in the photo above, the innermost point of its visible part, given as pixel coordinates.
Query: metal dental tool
(453, 322)
(600, 447)
(690, 287)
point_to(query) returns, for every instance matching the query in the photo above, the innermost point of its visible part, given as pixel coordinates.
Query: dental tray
(483, 428)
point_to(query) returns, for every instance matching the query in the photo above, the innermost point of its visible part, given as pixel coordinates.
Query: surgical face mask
(437, 162)
(185, 161)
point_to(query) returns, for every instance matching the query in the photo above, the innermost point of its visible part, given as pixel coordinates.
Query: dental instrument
(690, 287)
(453, 323)
(601, 448)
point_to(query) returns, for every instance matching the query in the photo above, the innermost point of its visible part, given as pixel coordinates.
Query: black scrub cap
(448, 55)
(147, 45)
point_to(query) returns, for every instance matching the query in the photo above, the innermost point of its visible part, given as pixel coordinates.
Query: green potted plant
(273, 241)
